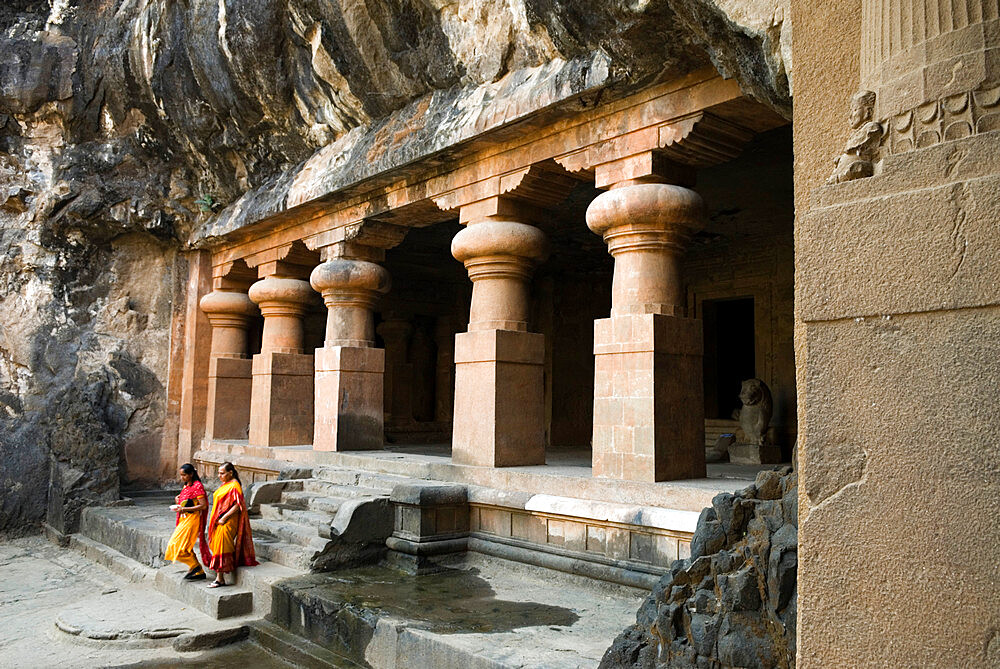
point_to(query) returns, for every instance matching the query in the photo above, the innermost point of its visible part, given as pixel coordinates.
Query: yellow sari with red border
(231, 544)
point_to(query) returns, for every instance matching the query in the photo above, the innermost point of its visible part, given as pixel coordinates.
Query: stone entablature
(699, 119)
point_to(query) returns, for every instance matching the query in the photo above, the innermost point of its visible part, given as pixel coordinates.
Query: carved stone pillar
(499, 418)
(395, 332)
(229, 369)
(349, 369)
(648, 406)
(281, 413)
(933, 67)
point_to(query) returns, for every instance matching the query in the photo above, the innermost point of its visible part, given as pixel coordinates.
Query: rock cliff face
(126, 123)
(733, 602)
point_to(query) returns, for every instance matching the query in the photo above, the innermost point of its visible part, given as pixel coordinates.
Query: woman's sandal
(217, 584)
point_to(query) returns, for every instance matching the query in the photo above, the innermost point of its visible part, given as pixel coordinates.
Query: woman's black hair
(189, 469)
(228, 466)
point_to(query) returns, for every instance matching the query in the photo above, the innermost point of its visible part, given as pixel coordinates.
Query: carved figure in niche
(862, 147)
(756, 412)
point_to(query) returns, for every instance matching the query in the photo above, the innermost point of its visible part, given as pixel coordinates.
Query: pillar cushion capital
(281, 290)
(230, 303)
(499, 238)
(647, 207)
(350, 275)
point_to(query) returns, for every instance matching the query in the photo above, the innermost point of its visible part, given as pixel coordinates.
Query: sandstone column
(499, 417)
(230, 369)
(349, 369)
(281, 412)
(897, 293)
(648, 407)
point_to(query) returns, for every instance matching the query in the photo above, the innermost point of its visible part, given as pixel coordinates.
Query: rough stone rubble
(733, 602)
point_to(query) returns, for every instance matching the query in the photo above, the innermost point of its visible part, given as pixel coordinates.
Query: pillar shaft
(281, 410)
(349, 370)
(648, 394)
(499, 417)
(229, 374)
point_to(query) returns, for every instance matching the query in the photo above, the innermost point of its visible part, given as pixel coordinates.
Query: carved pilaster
(933, 67)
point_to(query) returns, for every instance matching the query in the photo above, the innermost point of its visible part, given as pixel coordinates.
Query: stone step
(287, 531)
(359, 478)
(296, 650)
(140, 532)
(259, 579)
(122, 565)
(218, 603)
(341, 491)
(313, 502)
(309, 517)
(283, 553)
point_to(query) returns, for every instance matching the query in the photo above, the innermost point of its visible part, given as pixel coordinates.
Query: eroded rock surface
(733, 602)
(125, 124)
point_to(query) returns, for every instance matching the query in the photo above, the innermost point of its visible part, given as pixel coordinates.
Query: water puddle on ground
(449, 601)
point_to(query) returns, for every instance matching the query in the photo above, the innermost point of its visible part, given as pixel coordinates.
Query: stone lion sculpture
(756, 412)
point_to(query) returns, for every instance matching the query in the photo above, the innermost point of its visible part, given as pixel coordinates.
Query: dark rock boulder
(731, 606)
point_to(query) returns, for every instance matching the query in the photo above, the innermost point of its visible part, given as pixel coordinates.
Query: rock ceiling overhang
(452, 148)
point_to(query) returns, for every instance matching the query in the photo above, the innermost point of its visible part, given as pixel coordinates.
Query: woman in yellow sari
(229, 537)
(191, 509)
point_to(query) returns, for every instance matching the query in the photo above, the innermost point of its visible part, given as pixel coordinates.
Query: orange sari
(189, 529)
(231, 544)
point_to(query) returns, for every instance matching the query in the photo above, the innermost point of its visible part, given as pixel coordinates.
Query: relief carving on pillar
(951, 117)
(861, 151)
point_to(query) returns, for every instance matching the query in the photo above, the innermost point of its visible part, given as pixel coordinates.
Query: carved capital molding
(952, 117)
(697, 140)
(529, 190)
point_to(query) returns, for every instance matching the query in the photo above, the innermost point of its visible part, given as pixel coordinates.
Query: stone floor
(59, 609)
(567, 472)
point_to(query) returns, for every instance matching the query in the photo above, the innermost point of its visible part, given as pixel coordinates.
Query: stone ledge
(219, 603)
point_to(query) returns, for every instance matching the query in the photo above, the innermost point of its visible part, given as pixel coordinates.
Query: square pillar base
(649, 411)
(499, 416)
(349, 411)
(281, 410)
(229, 391)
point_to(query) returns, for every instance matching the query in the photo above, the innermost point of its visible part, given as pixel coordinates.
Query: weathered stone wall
(897, 346)
(124, 125)
(733, 603)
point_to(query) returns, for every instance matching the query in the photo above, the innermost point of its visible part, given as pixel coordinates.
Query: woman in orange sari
(191, 509)
(229, 537)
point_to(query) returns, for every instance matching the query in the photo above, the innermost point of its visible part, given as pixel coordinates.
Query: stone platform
(567, 473)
